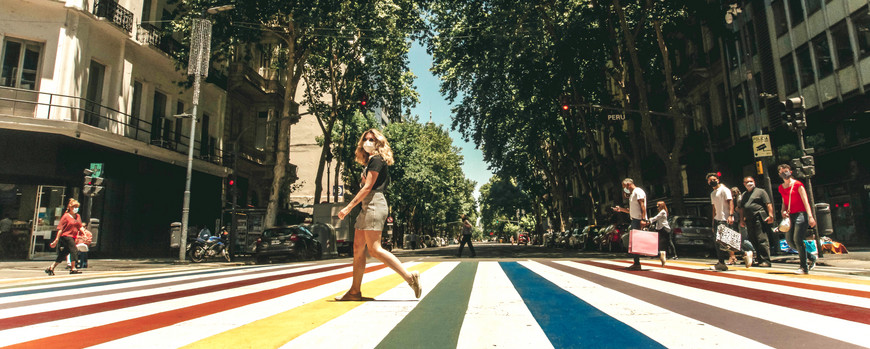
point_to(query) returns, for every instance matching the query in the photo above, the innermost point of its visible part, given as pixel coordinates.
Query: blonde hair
(72, 203)
(382, 148)
(663, 206)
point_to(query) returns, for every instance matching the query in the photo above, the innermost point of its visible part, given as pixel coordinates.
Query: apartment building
(87, 82)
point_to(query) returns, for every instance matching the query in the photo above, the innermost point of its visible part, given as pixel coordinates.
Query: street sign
(389, 220)
(97, 167)
(761, 146)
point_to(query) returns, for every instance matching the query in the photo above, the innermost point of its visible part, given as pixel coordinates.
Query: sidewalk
(30, 269)
(858, 258)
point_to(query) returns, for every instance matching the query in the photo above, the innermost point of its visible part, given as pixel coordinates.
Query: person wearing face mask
(636, 210)
(756, 214)
(796, 207)
(68, 230)
(373, 151)
(723, 214)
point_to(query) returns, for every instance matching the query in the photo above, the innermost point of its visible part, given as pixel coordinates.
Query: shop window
(842, 46)
(796, 12)
(813, 6)
(861, 20)
(779, 18)
(805, 64)
(788, 74)
(20, 64)
(824, 60)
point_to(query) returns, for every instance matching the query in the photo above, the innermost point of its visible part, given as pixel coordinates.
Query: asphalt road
(509, 296)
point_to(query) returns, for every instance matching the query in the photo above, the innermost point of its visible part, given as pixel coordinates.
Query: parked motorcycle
(208, 246)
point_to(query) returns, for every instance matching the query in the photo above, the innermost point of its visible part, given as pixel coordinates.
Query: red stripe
(54, 315)
(829, 289)
(836, 310)
(109, 332)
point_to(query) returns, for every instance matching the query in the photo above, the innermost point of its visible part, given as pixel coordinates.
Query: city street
(509, 296)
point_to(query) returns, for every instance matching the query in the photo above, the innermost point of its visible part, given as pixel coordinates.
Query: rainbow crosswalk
(469, 304)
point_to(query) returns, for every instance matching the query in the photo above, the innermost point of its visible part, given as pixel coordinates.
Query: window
(20, 64)
(750, 32)
(157, 115)
(260, 140)
(779, 19)
(845, 55)
(739, 102)
(204, 137)
(805, 65)
(733, 49)
(824, 60)
(813, 6)
(179, 109)
(788, 74)
(135, 110)
(796, 10)
(861, 19)
(758, 88)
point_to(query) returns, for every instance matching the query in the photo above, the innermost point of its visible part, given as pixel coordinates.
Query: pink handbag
(644, 243)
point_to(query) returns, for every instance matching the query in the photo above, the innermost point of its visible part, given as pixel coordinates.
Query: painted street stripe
(836, 310)
(185, 279)
(367, 325)
(670, 329)
(30, 319)
(276, 330)
(568, 321)
(773, 271)
(120, 329)
(437, 320)
(497, 310)
(764, 330)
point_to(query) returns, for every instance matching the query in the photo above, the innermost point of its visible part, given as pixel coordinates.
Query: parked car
(523, 239)
(294, 241)
(693, 232)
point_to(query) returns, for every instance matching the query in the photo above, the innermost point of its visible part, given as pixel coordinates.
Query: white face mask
(369, 146)
(626, 190)
(75, 210)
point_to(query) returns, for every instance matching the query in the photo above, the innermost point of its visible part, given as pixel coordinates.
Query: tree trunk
(318, 178)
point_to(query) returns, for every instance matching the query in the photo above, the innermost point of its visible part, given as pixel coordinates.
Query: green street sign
(97, 167)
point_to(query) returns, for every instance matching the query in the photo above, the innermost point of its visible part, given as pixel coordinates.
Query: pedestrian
(373, 151)
(723, 211)
(796, 207)
(83, 242)
(466, 237)
(745, 244)
(636, 210)
(756, 215)
(68, 230)
(666, 237)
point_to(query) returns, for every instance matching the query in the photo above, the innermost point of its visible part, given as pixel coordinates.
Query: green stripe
(435, 322)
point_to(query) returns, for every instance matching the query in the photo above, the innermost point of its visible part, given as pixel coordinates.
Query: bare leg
(359, 267)
(373, 241)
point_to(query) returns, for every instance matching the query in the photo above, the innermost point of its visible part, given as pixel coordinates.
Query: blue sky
(431, 100)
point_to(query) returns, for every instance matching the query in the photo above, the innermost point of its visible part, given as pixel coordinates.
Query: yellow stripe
(277, 330)
(768, 271)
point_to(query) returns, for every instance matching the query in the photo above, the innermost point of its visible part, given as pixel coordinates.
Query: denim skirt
(374, 212)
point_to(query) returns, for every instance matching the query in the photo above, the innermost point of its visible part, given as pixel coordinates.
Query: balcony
(117, 14)
(50, 106)
(255, 80)
(155, 37)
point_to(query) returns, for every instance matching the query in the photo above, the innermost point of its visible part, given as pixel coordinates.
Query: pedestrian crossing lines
(562, 304)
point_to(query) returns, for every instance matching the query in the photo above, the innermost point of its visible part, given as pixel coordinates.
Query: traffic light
(794, 113)
(93, 185)
(231, 181)
(363, 102)
(565, 105)
(804, 166)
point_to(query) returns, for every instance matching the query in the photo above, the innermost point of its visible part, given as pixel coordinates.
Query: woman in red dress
(67, 231)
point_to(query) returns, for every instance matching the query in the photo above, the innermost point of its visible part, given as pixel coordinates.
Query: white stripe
(28, 333)
(367, 325)
(497, 310)
(832, 327)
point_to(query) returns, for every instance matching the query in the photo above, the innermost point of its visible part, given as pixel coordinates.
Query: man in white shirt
(723, 213)
(636, 210)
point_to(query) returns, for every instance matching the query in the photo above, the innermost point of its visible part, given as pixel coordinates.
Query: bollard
(823, 219)
(175, 235)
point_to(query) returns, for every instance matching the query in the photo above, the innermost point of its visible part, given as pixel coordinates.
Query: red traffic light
(363, 103)
(232, 182)
(565, 107)
(719, 174)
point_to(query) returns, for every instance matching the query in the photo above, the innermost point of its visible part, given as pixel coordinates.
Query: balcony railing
(115, 13)
(154, 36)
(35, 104)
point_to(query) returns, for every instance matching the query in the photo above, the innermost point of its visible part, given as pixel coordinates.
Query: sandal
(349, 297)
(415, 284)
(49, 271)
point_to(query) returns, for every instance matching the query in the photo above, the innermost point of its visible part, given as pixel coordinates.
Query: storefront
(30, 214)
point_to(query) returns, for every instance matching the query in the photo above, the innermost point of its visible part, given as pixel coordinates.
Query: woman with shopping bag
(796, 207)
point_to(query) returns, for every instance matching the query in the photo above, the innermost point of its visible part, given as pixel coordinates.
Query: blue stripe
(116, 282)
(568, 321)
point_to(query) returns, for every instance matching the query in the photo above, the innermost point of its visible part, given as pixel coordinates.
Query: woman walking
(796, 207)
(67, 231)
(666, 238)
(373, 151)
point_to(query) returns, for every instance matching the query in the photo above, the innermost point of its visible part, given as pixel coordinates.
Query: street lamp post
(200, 51)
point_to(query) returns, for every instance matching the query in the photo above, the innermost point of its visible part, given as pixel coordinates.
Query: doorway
(48, 211)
